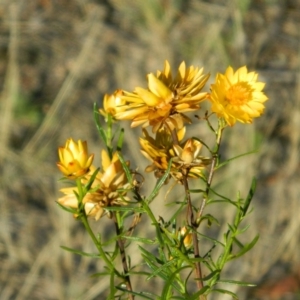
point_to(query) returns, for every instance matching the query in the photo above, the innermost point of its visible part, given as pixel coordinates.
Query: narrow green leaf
(201, 292)
(166, 269)
(211, 275)
(160, 183)
(209, 202)
(70, 210)
(143, 295)
(236, 282)
(126, 169)
(196, 191)
(82, 253)
(154, 268)
(211, 239)
(139, 239)
(233, 295)
(100, 129)
(171, 282)
(136, 209)
(238, 243)
(242, 230)
(234, 158)
(246, 248)
(120, 140)
(149, 255)
(210, 219)
(249, 197)
(90, 182)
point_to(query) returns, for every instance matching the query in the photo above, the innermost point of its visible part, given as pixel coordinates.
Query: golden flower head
(188, 160)
(93, 202)
(74, 160)
(165, 100)
(237, 96)
(157, 149)
(185, 156)
(112, 104)
(108, 188)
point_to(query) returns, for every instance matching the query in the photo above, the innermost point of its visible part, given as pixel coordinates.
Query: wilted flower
(185, 156)
(74, 159)
(93, 202)
(106, 188)
(189, 153)
(237, 96)
(165, 100)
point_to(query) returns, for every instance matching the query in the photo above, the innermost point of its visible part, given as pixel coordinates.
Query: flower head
(237, 96)
(165, 100)
(186, 160)
(112, 104)
(74, 160)
(106, 188)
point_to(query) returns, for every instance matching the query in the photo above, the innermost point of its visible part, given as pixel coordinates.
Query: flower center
(239, 94)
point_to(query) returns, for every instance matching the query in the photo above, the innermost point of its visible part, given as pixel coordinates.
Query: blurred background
(59, 57)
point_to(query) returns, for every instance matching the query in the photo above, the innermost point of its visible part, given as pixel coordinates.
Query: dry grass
(58, 57)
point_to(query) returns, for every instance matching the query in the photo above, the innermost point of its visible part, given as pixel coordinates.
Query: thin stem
(96, 242)
(215, 158)
(123, 256)
(191, 222)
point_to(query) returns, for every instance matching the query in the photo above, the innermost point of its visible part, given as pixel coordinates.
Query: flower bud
(74, 161)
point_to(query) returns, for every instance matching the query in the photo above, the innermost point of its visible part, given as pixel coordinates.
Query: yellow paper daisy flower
(186, 159)
(106, 188)
(237, 96)
(166, 99)
(112, 104)
(74, 160)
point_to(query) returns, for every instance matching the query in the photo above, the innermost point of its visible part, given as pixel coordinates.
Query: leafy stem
(123, 256)
(97, 243)
(215, 157)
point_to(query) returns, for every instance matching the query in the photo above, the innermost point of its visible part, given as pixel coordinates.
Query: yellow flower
(189, 153)
(186, 158)
(113, 104)
(237, 96)
(165, 100)
(105, 188)
(74, 159)
(93, 202)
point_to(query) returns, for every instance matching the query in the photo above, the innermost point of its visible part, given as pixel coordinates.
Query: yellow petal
(159, 89)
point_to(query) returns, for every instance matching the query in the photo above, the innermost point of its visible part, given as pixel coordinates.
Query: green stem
(123, 256)
(97, 244)
(219, 133)
(191, 222)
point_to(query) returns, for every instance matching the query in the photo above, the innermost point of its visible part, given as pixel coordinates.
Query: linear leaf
(80, 252)
(160, 183)
(100, 129)
(246, 248)
(240, 283)
(249, 197)
(171, 282)
(233, 295)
